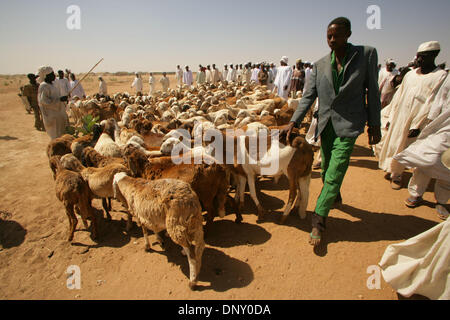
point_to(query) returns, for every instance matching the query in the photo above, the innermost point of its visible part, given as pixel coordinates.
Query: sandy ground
(241, 261)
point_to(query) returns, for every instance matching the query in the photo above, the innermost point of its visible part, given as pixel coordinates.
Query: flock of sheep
(128, 158)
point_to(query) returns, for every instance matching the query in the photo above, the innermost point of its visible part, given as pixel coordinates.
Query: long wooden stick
(79, 81)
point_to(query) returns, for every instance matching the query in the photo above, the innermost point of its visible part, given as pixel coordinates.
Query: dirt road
(241, 261)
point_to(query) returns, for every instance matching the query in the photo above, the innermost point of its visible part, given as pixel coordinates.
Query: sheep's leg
(190, 252)
(129, 222)
(72, 220)
(277, 177)
(251, 186)
(292, 195)
(160, 240)
(105, 207)
(87, 210)
(302, 204)
(148, 247)
(83, 218)
(240, 193)
(109, 204)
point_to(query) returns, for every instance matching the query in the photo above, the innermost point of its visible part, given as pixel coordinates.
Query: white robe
(425, 153)
(102, 88)
(53, 110)
(208, 76)
(188, 78)
(283, 79)
(215, 76)
(231, 76)
(408, 110)
(420, 265)
(164, 83)
(225, 74)
(383, 74)
(254, 76)
(63, 85)
(307, 75)
(179, 76)
(137, 84)
(247, 75)
(151, 82)
(79, 91)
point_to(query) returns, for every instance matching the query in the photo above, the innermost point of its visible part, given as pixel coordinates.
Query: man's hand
(374, 134)
(64, 98)
(413, 133)
(287, 130)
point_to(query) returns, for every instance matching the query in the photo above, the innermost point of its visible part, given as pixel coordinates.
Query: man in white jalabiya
(51, 104)
(62, 84)
(247, 73)
(225, 72)
(231, 76)
(407, 113)
(201, 75)
(164, 82)
(308, 70)
(151, 82)
(255, 72)
(387, 72)
(215, 75)
(188, 79)
(102, 88)
(137, 84)
(283, 78)
(76, 88)
(208, 74)
(425, 155)
(179, 76)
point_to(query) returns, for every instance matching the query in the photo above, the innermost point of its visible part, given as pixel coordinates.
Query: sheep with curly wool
(99, 179)
(166, 204)
(74, 193)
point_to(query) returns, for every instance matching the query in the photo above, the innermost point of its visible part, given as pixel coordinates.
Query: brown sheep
(166, 204)
(74, 193)
(210, 182)
(98, 179)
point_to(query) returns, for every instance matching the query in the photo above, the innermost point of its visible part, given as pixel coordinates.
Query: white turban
(389, 61)
(284, 59)
(429, 46)
(43, 72)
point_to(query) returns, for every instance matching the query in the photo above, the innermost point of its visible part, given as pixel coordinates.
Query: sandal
(413, 202)
(442, 211)
(396, 184)
(314, 237)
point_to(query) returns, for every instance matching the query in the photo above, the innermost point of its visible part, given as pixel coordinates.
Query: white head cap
(429, 46)
(284, 59)
(43, 72)
(389, 61)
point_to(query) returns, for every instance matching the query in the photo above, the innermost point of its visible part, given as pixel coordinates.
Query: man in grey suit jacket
(346, 83)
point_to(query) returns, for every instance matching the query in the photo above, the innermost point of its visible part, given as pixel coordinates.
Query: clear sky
(151, 35)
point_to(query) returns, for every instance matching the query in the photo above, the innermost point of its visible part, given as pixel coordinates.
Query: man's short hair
(342, 21)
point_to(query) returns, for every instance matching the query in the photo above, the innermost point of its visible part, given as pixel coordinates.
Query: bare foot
(314, 237)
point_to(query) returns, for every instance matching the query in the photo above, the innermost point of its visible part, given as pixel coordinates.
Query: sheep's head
(135, 159)
(70, 162)
(117, 194)
(55, 165)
